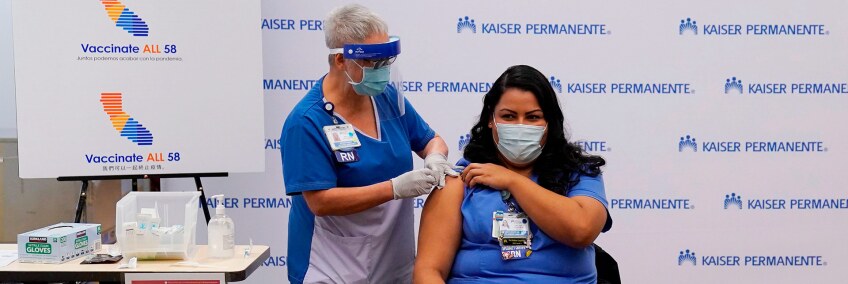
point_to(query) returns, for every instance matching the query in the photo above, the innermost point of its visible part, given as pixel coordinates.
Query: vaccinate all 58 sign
(138, 87)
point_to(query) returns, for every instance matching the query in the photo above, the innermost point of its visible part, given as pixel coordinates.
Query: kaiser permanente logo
(272, 144)
(620, 88)
(278, 261)
(292, 24)
(463, 141)
(734, 201)
(688, 257)
(689, 143)
(651, 203)
(252, 202)
(593, 146)
(124, 18)
(556, 84)
(690, 27)
(733, 85)
(468, 25)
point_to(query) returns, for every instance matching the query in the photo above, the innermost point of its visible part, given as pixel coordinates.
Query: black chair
(607, 267)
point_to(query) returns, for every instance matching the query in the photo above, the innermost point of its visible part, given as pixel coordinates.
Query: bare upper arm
(313, 200)
(440, 231)
(452, 193)
(595, 212)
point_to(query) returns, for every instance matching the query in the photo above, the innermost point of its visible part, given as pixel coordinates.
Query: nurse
(346, 152)
(529, 204)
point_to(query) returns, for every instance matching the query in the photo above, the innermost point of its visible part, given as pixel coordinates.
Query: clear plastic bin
(170, 233)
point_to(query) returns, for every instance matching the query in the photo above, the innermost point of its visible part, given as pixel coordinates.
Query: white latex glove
(439, 163)
(414, 183)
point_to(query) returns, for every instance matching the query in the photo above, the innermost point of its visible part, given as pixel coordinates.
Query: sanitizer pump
(221, 232)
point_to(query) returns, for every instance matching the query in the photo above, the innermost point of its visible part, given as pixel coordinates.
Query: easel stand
(85, 179)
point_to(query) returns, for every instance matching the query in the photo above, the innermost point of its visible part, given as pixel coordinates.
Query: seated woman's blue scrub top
(479, 257)
(373, 246)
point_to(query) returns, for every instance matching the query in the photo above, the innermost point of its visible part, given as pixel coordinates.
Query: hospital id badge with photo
(514, 226)
(341, 136)
(512, 229)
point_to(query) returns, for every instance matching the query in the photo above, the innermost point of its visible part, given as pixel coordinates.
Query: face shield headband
(380, 54)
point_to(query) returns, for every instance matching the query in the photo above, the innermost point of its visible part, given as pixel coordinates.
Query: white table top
(236, 268)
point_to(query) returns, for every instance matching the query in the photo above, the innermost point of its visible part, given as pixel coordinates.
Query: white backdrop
(667, 199)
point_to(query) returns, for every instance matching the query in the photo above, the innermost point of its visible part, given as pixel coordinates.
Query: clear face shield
(380, 77)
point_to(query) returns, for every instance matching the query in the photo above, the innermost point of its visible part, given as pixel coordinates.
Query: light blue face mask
(520, 143)
(374, 80)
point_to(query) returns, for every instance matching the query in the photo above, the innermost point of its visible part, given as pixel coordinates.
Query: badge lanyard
(329, 108)
(342, 137)
(512, 229)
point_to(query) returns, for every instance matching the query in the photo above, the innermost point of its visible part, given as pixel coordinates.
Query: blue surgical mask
(374, 81)
(520, 143)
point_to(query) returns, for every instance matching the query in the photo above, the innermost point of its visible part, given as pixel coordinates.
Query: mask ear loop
(544, 132)
(349, 79)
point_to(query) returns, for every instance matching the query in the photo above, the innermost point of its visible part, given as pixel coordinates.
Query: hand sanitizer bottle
(221, 232)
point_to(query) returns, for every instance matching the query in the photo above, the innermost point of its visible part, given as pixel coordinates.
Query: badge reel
(342, 137)
(512, 230)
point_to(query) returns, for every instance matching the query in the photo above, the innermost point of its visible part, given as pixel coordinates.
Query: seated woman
(529, 204)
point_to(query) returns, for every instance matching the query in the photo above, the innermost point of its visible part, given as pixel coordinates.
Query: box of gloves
(58, 243)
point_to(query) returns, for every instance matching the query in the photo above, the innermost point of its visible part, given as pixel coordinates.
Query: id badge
(514, 242)
(512, 229)
(515, 252)
(514, 226)
(348, 156)
(497, 217)
(341, 136)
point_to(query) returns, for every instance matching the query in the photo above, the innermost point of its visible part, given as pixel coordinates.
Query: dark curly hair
(561, 161)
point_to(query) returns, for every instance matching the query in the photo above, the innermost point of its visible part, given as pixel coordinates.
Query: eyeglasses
(376, 63)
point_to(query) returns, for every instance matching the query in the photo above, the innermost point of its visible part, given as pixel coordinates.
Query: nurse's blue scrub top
(478, 259)
(373, 246)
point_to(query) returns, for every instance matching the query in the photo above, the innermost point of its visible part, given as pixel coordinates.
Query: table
(235, 269)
